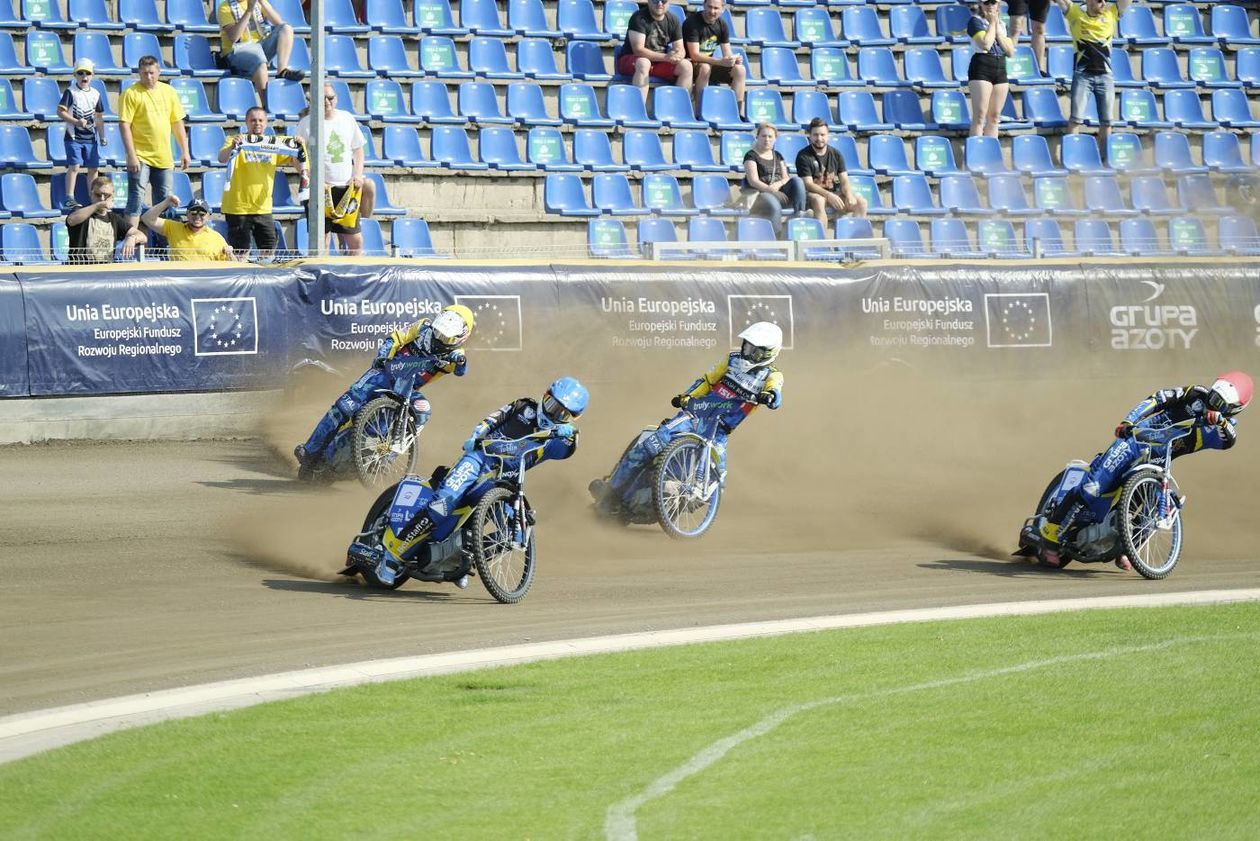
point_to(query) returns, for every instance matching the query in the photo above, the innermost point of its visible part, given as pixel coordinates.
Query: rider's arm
(774, 388)
(1222, 436)
(494, 420)
(714, 375)
(399, 339)
(1157, 402)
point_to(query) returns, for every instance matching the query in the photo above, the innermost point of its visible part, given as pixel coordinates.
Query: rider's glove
(766, 398)
(563, 430)
(470, 444)
(680, 401)
(1212, 418)
(1124, 430)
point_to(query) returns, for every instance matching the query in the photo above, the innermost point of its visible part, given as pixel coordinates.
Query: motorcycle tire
(675, 470)
(375, 521)
(1153, 550)
(1043, 506)
(506, 569)
(375, 461)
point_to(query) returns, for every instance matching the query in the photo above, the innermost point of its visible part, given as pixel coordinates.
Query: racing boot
(1047, 533)
(386, 572)
(1124, 563)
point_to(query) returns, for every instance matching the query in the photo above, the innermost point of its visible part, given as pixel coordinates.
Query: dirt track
(139, 566)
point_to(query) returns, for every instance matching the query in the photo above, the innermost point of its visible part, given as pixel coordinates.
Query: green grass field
(1102, 724)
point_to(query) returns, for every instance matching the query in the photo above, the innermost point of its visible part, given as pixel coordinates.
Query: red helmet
(1230, 393)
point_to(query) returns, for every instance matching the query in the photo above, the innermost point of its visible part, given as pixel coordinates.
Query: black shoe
(290, 74)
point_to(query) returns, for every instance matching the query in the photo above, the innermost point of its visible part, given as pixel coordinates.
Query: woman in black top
(987, 72)
(766, 172)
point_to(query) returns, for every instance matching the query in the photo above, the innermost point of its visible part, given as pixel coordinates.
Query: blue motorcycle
(491, 529)
(1141, 519)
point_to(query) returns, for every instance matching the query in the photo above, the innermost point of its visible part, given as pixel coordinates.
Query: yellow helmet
(453, 325)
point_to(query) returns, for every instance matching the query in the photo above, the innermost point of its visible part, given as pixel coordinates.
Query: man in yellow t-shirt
(192, 239)
(247, 50)
(148, 112)
(247, 200)
(1092, 29)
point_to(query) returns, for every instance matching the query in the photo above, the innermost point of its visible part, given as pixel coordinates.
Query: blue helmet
(565, 400)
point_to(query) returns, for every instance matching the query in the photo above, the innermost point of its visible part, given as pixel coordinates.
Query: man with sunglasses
(192, 239)
(96, 229)
(1092, 29)
(341, 154)
(83, 113)
(654, 49)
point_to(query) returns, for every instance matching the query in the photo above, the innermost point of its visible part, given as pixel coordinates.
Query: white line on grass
(31, 732)
(621, 823)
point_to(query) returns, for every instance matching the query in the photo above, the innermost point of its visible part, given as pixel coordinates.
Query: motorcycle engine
(1096, 543)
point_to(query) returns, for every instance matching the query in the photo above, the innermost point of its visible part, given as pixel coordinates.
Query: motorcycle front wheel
(374, 533)
(379, 458)
(686, 501)
(1152, 543)
(504, 564)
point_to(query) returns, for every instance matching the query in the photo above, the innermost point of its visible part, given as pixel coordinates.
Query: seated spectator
(766, 172)
(247, 201)
(96, 229)
(192, 239)
(654, 47)
(246, 50)
(703, 32)
(83, 113)
(822, 170)
(986, 75)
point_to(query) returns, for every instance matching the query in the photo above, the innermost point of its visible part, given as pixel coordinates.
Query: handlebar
(1164, 434)
(504, 447)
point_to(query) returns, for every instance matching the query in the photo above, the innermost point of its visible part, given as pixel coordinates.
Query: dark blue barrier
(13, 379)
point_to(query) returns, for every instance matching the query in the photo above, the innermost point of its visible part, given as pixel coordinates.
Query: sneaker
(70, 205)
(290, 74)
(1123, 563)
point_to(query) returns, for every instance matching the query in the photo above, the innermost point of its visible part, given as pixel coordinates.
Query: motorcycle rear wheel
(675, 482)
(374, 523)
(377, 461)
(505, 568)
(1152, 550)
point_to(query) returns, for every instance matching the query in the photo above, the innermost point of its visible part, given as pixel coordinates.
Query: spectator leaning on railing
(82, 111)
(192, 239)
(148, 112)
(1092, 29)
(96, 229)
(246, 50)
(654, 47)
(703, 32)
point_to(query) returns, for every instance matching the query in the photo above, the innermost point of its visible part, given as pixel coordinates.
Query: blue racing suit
(409, 352)
(732, 380)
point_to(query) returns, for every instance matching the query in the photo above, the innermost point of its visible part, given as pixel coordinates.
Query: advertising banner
(13, 380)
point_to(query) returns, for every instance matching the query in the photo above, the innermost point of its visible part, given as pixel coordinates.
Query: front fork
(524, 522)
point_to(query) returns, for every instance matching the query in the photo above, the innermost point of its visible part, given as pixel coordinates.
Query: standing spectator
(96, 229)
(766, 172)
(703, 32)
(821, 168)
(248, 197)
(1092, 29)
(654, 47)
(244, 47)
(987, 72)
(148, 112)
(342, 160)
(1038, 11)
(85, 131)
(192, 239)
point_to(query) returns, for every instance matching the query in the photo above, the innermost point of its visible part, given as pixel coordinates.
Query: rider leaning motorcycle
(1213, 407)
(427, 349)
(749, 372)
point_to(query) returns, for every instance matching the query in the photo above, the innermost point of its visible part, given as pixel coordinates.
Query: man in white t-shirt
(341, 153)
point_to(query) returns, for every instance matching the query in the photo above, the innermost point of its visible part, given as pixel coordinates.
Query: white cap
(84, 64)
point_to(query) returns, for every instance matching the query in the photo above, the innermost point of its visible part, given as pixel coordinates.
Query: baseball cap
(84, 64)
(197, 204)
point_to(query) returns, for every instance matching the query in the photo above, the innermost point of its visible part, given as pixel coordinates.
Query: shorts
(1102, 87)
(720, 75)
(985, 67)
(661, 70)
(1038, 10)
(241, 228)
(246, 58)
(79, 153)
(333, 227)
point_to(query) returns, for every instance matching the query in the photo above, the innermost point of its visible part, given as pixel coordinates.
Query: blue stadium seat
(924, 70)
(292, 13)
(790, 145)
(1060, 60)
(960, 60)
(1137, 109)
(693, 153)
(607, 238)
(1232, 27)
(193, 57)
(611, 193)
(951, 23)
(282, 200)
(905, 111)
(1080, 155)
(43, 52)
(934, 155)
(755, 229)
(1206, 68)
(1160, 69)
(886, 154)
(10, 64)
(1172, 154)
(579, 107)
(497, 146)
(1246, 66)
(213, 182)
(1187, 237)
(192, 95)
(45, 15)
(141, 15)
(481, 17)
(617, 15)
(60, 242)
(1137, 27)
(387, 56)
(1122, 70)
(912, 195)
(592, 149)
(136, 45)
(1102, 196)
(720, 110)
(813, 28)
(586, 61)
(342, 58)
(847, 147)
(1021, 69)
(1030, 155)
(113, 154)
(19, 243)
(41, 96)
(94, 46)
(1093, 238)
(1048, 236)
(856, 112)
(400, 145)
(431, 102)
(656, 230)
(1238, 235)
(386, 102)
(625, 108)
(663, 196)
(983, 156)
(189, 16)
(778, 65)
(373, 238)
(1051, 195)
(735, 144)
(544, 147)
(388, 17)
(905, 238)
(537, 60)
(805, 228)
(450, 147)
(526, 18)
(950, 238)
(1010, 119)
(851, 228)
(1149, 195)
(19, 196)
(998, 238)
(411, 238)
(438, 58)
(339, 16)
(861, 27)
(706, 229)
(950, 110)
(828, 66)
(1231, 109)
(487, 57)
(370, 157)
(1222, 153)
(576, 19)
(1127, 155)
(865, 186)
(204, 143)
(1184, 109)
(1056, 27)
(346, 98)
(909, 25)
(433, 17)
(764, 27)
(92, 14)
(766, 106)
(236, 96)
(806, 105)
(1184, 25)
(9, 109)
(672, 106)
(711, 195)
(960, 196)
(479, 104)
(525, 105)
(877, 67)
(384, 207)
(642, 150)
(57, 188)
(1007, 196)
(1197, 194)
(17, 151)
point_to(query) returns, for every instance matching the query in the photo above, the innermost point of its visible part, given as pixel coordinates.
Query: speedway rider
(564, 401)
(1212, 407)
(427, 350)
(748, 372)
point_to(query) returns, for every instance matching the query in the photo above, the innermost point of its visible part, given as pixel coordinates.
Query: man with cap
(82, 111)
(192, 239)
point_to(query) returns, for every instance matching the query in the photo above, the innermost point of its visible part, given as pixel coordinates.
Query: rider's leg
(342, 410)
(1104, 473)
(458, 480)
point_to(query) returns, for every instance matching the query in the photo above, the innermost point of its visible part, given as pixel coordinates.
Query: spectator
(703, 32)
(85, 131)
(244, 47)
(766, 172)
(654, 47)
(821, 168)
(247, 199)
(1037, 11)
(1092, 29)
(192, 239)
(96, 229)
(342, 152)
(148, 111)
(987, 72)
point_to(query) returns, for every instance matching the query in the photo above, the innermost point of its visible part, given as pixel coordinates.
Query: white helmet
(453, 326)
(761, 343)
